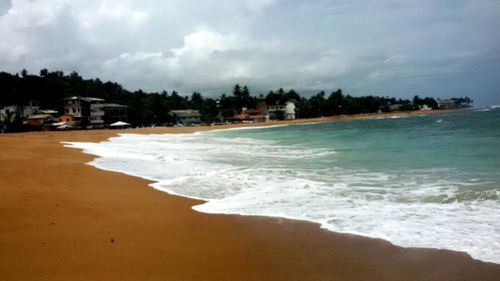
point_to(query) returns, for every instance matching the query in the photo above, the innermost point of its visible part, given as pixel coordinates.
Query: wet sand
(63, 220)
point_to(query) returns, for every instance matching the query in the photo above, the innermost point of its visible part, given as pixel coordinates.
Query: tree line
(48, 88)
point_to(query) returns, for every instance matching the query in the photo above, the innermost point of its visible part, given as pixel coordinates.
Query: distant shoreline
(191, 129)
(335, 118)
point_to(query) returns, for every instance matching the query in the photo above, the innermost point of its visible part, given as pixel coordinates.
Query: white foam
(419, 208)
(395, 117)
(254, 127)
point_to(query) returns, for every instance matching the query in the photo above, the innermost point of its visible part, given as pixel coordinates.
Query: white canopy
(119, 123)
(64, 127)
(57, 124)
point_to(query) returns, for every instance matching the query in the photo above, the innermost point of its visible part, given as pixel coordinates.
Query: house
(6, 115)
(425, 107)
(262, 107)
(394, 107)
(285, 111)
(39, 120)
(242, 117)
(276, 111)
(186, 116)
(93, 111)
(114, 112)
(447, 104)
(97, 114)
(11, 112)
(251, 115)
(290, 110)
(85, 110)
(256, 115)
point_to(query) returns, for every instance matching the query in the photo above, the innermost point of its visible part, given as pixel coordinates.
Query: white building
(288, 110)
(14, 111)
(447, 104)
(425, 107)
(97, 113)
(85, 110)
(186, 116)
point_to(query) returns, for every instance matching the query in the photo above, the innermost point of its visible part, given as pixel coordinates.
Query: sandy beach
(63, 220)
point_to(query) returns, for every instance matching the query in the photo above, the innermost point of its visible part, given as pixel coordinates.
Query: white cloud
(209, 45)
(207, 59)
(124, 12)
(23, 26)
(200, 45)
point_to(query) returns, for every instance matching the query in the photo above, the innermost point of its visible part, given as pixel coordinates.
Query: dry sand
(63, 220)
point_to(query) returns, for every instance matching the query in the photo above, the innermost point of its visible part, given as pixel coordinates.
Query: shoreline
(244, 126)
(336, 118)
(61, 219)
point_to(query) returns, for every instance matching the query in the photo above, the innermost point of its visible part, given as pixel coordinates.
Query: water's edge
(200, 207)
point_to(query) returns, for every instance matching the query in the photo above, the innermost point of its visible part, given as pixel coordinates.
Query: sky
(401, 48)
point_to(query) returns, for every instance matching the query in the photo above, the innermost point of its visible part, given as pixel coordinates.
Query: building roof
(120, 123)
(185, 113)
(40, 116)
(48, 111)
(115, 105)
(446, 101)
(58, 124)
(241, 116)
(88, 99)
(254, 111)
(257, 116)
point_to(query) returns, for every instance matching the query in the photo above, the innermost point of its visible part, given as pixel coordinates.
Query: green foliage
(463, 102)
(430, 102)
(50, 87)
(279, 115)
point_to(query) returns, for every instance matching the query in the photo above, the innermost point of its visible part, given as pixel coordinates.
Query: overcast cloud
(397, 48)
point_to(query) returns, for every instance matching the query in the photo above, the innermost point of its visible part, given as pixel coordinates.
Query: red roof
(257, 117)
(240, 116)
(253, 110)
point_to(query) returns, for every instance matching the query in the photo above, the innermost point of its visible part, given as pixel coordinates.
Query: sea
(417, 181)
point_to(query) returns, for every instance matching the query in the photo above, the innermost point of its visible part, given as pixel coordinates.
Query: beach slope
(63, 220)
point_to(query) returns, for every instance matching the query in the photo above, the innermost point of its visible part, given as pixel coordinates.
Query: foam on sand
(417, 208)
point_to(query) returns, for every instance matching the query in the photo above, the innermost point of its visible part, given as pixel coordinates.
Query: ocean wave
(248, 176)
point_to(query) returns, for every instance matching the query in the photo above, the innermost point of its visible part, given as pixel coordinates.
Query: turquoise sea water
(421, 181)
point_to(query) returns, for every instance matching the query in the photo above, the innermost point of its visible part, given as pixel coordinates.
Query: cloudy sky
(398, 48)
